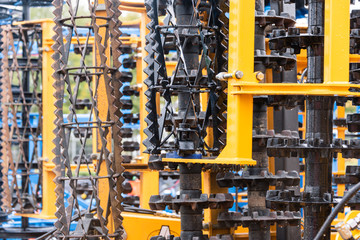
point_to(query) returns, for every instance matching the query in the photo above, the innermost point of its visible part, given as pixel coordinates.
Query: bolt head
(260, 76)
(239, 74)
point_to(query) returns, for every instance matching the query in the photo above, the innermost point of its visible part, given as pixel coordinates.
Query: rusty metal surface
(20, 98)
(70, 78)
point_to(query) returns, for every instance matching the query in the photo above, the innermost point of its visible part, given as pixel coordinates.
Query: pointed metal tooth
(5, 132)
(151, 131)
(113, 161)
(12, 36)
(221, 105)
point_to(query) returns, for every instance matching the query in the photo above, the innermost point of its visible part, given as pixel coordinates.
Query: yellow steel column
(149, 180)
(102, 105)
(241, 58)
(142, 76)
(48, 108)
(336, 59)
(337, 41)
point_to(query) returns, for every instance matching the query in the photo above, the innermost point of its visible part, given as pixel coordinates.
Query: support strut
(319, 113)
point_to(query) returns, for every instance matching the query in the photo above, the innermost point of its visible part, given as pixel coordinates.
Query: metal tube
(184, 16)
(190, 184)
(319, 113)
(257, 192)
(25, 116)
(190, 176)
(287, 120)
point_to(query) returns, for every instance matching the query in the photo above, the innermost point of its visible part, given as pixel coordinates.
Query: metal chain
(70, 80)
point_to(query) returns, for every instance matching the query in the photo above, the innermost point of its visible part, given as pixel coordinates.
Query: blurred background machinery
(192, 119)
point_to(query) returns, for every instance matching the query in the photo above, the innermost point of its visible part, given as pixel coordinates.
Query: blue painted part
(15, 221)
(34, 119)
(334, 165)
(132, 126)
(300, 118)
(125, 98)
(124, 85)
(80, 118)
(190, 156)
(126, 111)
(301, 13)
(130, 31)
(233, 190)
(34, 49)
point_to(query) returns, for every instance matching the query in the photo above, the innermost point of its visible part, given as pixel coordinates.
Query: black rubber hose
(337, 209)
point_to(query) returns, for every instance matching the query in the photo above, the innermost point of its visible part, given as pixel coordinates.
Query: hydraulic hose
(337, 209)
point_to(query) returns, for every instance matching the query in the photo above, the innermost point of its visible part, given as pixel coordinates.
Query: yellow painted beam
(149, 185)
(144, 226)
(48, 109)
(103, 106)
(226, 161)
(140, 78)
(238, 147)
(321, 89)
(337, 41)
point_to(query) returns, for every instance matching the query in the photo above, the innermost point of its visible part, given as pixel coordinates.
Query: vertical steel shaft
(190, 176)
(319, 114)
(185, 16)
(24, 115)
(191, 220)
(257, 192)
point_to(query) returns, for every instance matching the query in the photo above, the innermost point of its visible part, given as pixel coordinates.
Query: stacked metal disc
(257, 217)
(318, 148)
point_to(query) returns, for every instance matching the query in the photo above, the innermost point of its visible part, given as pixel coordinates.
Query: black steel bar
(190, 177)
(25, 110)
(319, 114)
(287, 120)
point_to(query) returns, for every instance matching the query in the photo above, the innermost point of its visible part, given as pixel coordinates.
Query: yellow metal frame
(356, 232)
(144, 226)
(315, 89)
(241, 58)
(48, 188)
(238, 149)
(240, 107)
(240, 102)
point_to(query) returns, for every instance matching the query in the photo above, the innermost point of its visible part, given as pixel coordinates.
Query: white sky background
(356, 5)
